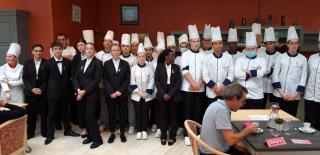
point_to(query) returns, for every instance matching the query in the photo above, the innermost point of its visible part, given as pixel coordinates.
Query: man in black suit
(58, 73)
(116, 75)
(35, 87)
(168, 81)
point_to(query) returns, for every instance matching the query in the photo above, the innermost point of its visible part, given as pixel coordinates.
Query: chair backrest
(192, 129)
(13, 138)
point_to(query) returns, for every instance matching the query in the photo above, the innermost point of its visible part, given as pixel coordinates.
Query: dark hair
(61, 34)
(162, 55)
(234, 90)
(81, 40)
(36, 45)
(56, 44)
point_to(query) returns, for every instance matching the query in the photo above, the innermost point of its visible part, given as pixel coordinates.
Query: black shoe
(48, 140)
(111, 138)
(163, 141)
(87, 141)
(84, 136)
(95, 145)
(71, 133)
(123, 138)
(171, 142)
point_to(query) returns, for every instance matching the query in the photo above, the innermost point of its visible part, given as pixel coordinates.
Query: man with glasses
(35, 81)
(216, 128)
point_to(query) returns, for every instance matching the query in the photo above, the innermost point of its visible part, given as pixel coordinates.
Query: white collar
(57, 58)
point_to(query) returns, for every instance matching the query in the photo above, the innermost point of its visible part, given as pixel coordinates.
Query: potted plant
(279, 124)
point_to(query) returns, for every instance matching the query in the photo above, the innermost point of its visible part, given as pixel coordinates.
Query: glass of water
(286, 126)
(276, 132)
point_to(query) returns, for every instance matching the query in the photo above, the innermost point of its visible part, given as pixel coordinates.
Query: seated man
(13, 112)
(216, 128)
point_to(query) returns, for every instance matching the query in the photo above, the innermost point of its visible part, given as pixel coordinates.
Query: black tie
(59, 62)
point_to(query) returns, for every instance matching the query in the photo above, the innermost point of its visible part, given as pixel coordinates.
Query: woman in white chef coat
(11, 76)
(290, 75)
(312, 93)
(142, 86)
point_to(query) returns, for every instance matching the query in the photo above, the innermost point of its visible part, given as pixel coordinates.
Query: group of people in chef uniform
(133, 84)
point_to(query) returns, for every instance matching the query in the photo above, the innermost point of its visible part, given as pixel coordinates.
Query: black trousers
(267, 96)
(37, 104)
(61, 105)
(141, 109)
(181, 114)
(89, 118)
(253, 104)
(168, 118)
(119, 103)
(290, 107)
(193, 103)
(81, 108)
(312, 113)
(14, 113)
(154, 113)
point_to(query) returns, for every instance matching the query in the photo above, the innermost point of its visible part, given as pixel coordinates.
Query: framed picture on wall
(76, 13)
(129, 14)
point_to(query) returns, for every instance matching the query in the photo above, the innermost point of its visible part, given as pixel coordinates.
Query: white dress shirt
(168, 73)
(87, 64)
(59, 64)
(116, 64)
(37, 64)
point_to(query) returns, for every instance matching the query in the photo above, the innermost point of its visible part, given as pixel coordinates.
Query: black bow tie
(59, 62)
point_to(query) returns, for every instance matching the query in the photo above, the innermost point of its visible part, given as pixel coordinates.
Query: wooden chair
(192, 129)
(13, 139)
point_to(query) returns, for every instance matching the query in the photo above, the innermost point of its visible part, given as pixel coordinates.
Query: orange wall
(62, 18)
(171, 15)
(40, 21)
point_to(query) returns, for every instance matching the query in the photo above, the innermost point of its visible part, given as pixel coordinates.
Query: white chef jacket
(15, 86)
(192, 63)
(290, 74)
(217, 70)
(131, 59)
(253, 83)
(235, 56)
(142, 79)
(267, 78)
(312, 92)
(103, 56)
(207, 52)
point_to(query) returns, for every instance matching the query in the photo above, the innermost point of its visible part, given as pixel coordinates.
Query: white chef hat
(193, 32)
(171, 41)
(140, 48)
(292, 33)
(109, 35)
(88, 36)
(134, 38)
(216, 34)
(256, 28)
(147, 42)
(14, 49)
(159, 36)
(232, 35)
(269, 34)
(183, 39)
(207, 32)
(125, 39)
(161, 44)
(251, 39)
